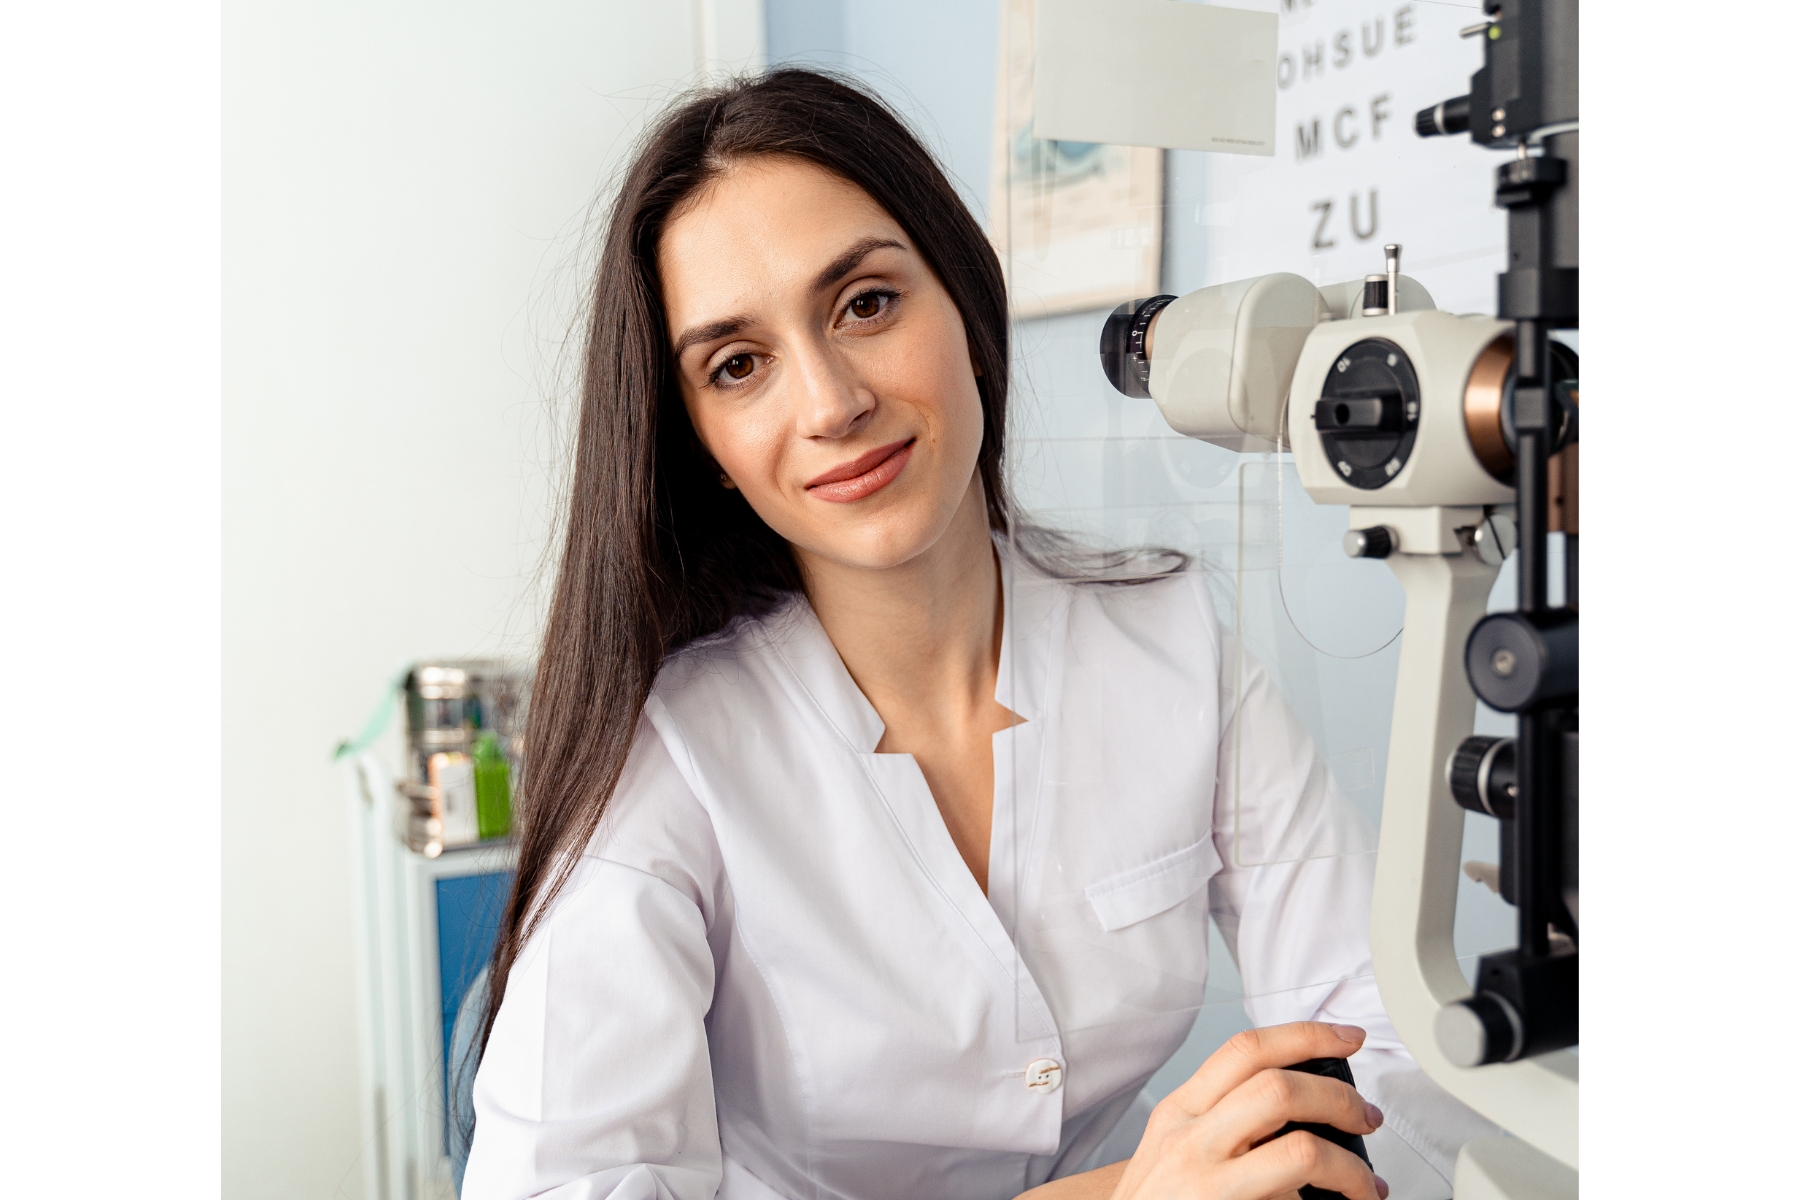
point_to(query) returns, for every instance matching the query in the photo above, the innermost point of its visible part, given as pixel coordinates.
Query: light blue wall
(933, 60)
(804, 29)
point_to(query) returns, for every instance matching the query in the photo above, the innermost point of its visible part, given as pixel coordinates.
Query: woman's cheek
(763, 454)
(965, 419)
(740, 443)
(955, 395)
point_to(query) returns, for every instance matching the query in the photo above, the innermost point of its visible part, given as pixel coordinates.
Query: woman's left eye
(869, 304)
(734, 370)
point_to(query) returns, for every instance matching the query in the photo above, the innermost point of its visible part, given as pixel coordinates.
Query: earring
(725, 481)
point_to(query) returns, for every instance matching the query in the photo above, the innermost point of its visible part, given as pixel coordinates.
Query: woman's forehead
(769, 223)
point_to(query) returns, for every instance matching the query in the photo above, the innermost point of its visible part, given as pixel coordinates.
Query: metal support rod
(1531, 350)
(1532, 413)
(1571, 571)
(1534, 821)
(1534, 590)
(1536, 808)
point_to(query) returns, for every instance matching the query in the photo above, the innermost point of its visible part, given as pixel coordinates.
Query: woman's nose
(831, 402)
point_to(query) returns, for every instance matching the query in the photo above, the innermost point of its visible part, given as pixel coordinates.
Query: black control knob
(1367, 413)
(1377, 541)
(1451, 116)
(1515, 662)
(1484, 776)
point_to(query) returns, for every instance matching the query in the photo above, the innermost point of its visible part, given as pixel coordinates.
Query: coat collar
(1031, 612)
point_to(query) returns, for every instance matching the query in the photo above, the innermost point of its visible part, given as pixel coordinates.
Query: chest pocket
(1125, 947)
(1156, 887)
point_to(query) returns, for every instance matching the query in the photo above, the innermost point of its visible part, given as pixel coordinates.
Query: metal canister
(450, 706)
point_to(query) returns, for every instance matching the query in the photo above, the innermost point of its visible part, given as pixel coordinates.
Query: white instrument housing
(1223, 357)
(1442, 468)
(1228, 355)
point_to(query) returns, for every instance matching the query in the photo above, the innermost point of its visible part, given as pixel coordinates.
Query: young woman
(862, 855)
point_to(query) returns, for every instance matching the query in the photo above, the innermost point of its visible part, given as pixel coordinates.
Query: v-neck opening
(998, 844)
(1023, 686)
(869, 727)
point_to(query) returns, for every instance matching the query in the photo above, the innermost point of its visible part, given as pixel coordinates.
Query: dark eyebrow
(848, 261)
(834, 271)
(710, 332)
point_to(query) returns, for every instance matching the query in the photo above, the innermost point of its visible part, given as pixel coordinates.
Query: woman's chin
(871, 554)
(880, 542)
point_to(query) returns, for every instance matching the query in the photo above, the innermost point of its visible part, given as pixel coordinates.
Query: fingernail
(1373, 1113)
(1348, 1033)
(1381, 1187)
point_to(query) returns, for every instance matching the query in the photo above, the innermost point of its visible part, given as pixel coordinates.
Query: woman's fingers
(1295, 1159)
(1256, 1050)
(1209, 1128)
(1262, 1104)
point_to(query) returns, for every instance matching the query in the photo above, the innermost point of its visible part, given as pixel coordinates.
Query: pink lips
(864, 475)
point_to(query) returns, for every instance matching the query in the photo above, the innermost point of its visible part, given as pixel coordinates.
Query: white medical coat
(771, 973)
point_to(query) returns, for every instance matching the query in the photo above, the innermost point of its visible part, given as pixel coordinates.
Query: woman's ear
(708, 462)
(724, 478)
(975, 365)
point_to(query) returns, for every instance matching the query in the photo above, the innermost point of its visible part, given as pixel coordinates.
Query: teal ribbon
(378, 721)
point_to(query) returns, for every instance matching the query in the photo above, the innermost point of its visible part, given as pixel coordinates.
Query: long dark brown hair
(656, 553)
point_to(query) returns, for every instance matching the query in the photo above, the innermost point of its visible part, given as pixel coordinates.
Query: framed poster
(1077, 225)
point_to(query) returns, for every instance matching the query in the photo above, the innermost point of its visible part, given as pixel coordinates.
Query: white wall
(405, 185)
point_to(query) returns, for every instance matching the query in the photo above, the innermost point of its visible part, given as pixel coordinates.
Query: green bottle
(493, 789)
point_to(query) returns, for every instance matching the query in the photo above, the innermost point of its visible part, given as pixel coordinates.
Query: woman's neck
(922, 640)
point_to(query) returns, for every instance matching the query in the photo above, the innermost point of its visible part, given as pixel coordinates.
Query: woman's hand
(1209, 1138)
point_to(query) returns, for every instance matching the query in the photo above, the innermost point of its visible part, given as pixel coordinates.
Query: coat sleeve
(1292, 903)
(597, 1081)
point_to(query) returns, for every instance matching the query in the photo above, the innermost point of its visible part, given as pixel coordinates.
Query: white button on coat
(771, 973)
(1044, 1076)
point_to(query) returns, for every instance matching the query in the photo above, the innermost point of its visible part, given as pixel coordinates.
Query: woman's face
(824, 366)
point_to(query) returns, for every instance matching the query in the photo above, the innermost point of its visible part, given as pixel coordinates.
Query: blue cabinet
(469, 908)
(425, 930)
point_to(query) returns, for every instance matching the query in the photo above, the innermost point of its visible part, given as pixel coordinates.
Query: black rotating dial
(1123, 354)
(1368, 415)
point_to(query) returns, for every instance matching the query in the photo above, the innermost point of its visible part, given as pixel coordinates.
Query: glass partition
(1308, 639)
